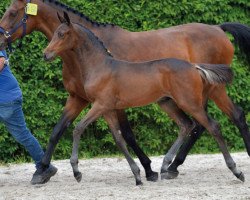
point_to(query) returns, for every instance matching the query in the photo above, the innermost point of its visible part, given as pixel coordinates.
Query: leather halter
(22, 23)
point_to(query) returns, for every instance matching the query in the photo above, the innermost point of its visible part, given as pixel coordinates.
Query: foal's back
(138, 84)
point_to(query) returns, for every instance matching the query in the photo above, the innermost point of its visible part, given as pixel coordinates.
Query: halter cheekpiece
(22, 23)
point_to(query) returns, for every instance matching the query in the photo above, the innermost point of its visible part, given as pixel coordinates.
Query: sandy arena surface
(201, 177)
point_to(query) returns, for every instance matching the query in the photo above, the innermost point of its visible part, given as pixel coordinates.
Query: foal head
(65, 38)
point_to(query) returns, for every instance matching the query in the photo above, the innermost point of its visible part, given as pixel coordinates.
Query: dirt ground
(201, 177)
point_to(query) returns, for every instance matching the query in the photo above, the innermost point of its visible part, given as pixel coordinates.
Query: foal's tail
(215, 73)
(241, 34)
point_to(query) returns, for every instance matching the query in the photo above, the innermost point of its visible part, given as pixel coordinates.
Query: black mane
(66, 7)
(94, 38)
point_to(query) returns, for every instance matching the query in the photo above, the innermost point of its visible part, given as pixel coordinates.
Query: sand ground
(201, 177)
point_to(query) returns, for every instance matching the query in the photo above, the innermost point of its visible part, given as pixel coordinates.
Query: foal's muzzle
(49, 56)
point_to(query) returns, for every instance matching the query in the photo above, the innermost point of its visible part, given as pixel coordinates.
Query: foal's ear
(61, 19)
(66, 18)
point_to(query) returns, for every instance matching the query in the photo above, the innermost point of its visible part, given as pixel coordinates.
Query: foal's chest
(74, 84)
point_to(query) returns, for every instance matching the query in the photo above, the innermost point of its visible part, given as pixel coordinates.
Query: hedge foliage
(44, 95)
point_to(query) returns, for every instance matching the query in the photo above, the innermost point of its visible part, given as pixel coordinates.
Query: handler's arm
(2, 60)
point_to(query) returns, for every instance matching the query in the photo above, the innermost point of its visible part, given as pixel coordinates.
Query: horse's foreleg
(129, 137)
(73, 107)
(235, 113)
(186, 126)
(94, 113)
(111, 118)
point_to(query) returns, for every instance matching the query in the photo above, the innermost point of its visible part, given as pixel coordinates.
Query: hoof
(153, 177)
(44, 177)
(139, 183)
(78, 176)
(241, 177)
(169, 175)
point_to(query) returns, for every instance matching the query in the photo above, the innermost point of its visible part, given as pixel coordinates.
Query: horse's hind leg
(214, 129)
(195, 134)
(111, 118)
(235, 113)
(94, 113)
(172, 171)
(186, 126)
(113, 123)
(130, 140)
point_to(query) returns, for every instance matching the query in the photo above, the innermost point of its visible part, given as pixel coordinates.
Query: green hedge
(44, 95)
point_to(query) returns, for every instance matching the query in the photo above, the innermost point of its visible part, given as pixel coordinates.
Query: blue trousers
(11, 114)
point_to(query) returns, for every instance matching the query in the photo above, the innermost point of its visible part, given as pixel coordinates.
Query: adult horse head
(15, 23)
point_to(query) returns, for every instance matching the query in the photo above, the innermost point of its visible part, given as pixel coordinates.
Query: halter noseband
(22, 23)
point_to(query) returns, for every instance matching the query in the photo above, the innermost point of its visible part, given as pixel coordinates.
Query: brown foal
(112, 84)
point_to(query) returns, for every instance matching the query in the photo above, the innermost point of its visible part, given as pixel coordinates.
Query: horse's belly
(139, 96)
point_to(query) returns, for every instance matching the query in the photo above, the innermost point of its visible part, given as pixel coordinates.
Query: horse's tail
(241, 34)
(215, 73)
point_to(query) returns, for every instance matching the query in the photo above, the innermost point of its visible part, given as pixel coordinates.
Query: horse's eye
(13, 13)
(60, 35)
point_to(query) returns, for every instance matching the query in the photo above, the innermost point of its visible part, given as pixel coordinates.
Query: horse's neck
(48, 23)
(84, 60)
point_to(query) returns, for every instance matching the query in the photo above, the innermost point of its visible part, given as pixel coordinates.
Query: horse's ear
(61, 19)
(66, 18)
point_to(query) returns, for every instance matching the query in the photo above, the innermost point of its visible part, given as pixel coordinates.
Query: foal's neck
(88, 54)
(90, 49)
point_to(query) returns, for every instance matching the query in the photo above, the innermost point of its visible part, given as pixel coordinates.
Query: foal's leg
(235, 113)
(130, 140)
(186, 126)
(195, 134)
(172, 171)
(72, 109)
(94, 113)
(113, 123)
(214, 129)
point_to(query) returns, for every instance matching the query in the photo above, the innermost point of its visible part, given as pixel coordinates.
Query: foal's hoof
(169, 175)
(153, 177)
(241, 177)
(139, 183)
(78, 176)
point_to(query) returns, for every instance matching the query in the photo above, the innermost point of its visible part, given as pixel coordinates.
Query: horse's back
(194, 42)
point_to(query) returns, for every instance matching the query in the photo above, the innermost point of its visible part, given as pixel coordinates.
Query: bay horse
(195, 42)
(111, 84)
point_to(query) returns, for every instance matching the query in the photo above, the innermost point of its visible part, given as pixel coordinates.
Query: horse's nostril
(45, 56)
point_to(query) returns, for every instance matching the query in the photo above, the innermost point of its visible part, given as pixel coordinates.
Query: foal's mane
(72, 10)
(94, 38)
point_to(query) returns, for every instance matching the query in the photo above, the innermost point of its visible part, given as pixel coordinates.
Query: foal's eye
(60, 35)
